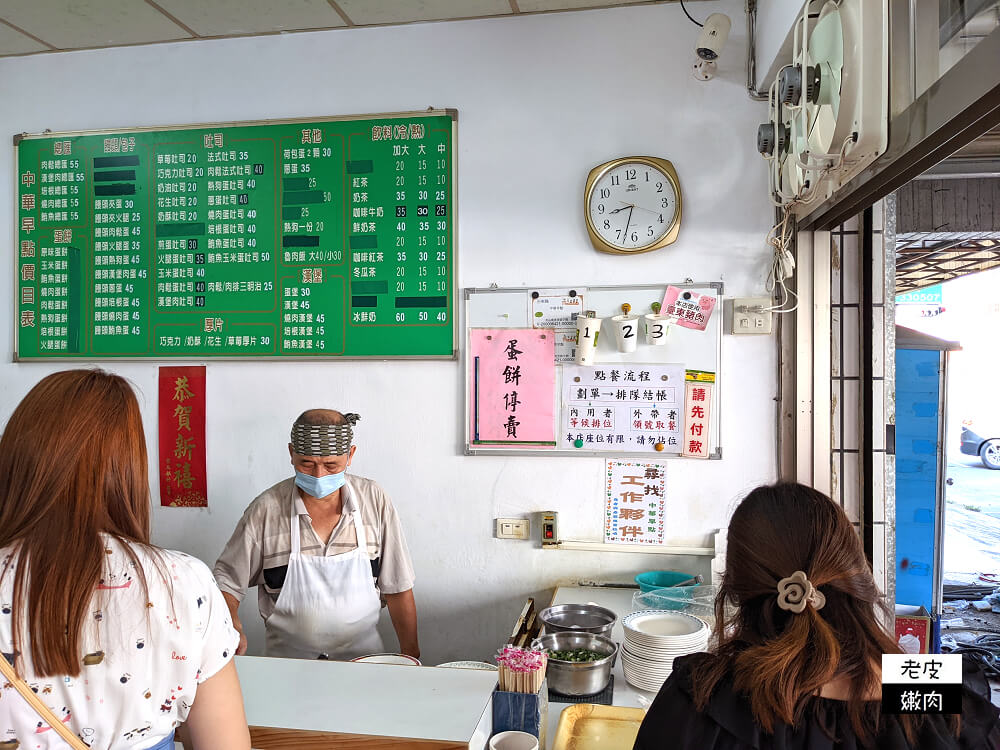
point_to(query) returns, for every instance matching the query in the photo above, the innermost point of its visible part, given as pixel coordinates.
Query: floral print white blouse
(142, 657)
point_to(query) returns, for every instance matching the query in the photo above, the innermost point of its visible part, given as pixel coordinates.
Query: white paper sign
(636, 497)
(565, 345)
(556, 311)
(623, 407)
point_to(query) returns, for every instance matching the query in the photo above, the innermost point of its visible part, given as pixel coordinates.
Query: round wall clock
(632, 205)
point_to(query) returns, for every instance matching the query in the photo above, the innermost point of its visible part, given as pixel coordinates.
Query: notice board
(323, 238)
(625, 404)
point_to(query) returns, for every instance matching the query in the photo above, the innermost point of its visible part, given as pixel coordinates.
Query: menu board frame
(154, 356)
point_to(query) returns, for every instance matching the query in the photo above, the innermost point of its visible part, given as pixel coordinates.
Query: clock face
(633, 205)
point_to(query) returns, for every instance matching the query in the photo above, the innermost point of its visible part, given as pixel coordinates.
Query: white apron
(328, 606)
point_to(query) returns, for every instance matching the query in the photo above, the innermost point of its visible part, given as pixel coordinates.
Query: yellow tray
(587, 726)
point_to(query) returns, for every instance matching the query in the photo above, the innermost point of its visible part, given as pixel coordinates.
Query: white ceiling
(39, 26)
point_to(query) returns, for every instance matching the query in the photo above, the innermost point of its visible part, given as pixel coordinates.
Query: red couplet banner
(183, 479)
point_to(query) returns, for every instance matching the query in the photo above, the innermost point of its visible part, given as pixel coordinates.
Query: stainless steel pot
(578, 618)
(578, 678)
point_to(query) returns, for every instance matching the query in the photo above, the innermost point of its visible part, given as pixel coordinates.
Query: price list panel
(330, 238)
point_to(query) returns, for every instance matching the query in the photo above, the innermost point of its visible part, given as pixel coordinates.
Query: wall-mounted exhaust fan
(828, 109)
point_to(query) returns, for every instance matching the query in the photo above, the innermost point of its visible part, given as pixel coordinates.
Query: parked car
(982, 438)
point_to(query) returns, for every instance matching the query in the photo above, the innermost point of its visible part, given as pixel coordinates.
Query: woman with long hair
(120, 640)
(798, 647)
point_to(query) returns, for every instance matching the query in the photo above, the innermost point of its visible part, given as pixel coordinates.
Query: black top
(727, 723)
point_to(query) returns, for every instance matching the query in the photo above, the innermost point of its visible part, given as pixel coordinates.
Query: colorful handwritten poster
(691, 309)
(513, 386)
(623, 407)
(183, 468)
(636, 497)
(697, 413)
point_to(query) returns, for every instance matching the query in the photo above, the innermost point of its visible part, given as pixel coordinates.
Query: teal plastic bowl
(661, 579)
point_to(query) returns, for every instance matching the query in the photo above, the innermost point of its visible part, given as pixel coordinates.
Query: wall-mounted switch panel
(752, 315)
(513, 528)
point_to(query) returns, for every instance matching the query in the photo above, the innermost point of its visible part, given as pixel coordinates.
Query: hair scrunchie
(796, 591)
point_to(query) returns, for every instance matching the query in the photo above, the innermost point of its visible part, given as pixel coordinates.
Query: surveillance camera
(713, 36)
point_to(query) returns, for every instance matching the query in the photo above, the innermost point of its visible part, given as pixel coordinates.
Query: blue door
(918, 410)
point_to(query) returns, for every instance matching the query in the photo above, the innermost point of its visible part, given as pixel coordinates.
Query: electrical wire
(689, 16)
(779, 238)
(985, 650)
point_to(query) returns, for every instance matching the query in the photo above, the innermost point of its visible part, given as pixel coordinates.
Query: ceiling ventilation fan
(828, 109)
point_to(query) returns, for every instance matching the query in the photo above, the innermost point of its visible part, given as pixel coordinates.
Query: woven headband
(324, 439)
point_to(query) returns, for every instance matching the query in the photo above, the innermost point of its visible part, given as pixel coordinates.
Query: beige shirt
(257, 553)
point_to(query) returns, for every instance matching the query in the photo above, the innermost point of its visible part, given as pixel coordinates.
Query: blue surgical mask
(320, 486)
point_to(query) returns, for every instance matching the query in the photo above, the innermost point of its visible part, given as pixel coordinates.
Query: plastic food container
(662, 579)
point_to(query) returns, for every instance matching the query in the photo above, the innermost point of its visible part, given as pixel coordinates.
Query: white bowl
(653, 657)
(401, 659)
(651, 686)
(662, 652)
(655, 624)
(667, 642)
(646, 669)
(481, 665)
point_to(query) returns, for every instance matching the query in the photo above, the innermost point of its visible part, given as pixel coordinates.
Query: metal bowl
(578, 618)
(578, 678)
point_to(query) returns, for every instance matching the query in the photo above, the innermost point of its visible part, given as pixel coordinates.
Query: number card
(921, 683)
(513, 385)
(635, 501)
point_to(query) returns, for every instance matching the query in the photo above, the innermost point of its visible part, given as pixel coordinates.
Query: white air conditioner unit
(829, 109)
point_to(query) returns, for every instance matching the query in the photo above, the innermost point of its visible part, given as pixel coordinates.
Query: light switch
(751, 315)
(513, 528)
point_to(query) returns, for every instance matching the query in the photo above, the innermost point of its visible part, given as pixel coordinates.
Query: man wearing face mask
(322, 548)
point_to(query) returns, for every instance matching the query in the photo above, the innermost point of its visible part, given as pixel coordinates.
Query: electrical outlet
(752, 315)
(513, 528)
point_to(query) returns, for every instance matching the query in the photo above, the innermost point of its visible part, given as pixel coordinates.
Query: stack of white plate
(653, 639)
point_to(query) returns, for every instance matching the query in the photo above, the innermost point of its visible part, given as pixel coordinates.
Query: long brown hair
(72, 465)
(779, 659)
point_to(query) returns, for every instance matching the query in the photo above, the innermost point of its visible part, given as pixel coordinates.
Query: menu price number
(423, 317)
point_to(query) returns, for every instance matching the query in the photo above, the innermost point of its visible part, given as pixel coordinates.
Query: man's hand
(242, 648)
(234, 607)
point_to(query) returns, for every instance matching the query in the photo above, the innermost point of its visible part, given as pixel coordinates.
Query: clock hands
(635, 205)
(616, 210)
(627, 222)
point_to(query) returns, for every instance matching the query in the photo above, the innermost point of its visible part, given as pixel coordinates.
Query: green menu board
(311, 239)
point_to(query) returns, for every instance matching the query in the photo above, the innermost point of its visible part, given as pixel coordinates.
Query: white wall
(774, 40)
(541, 100)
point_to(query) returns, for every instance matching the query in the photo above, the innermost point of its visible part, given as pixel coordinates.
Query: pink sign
(691, 309)
(513, 386)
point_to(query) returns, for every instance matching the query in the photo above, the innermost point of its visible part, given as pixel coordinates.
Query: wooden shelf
(644, 549)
